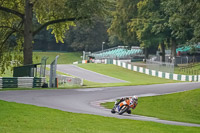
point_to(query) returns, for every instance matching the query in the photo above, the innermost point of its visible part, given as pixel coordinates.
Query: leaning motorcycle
(122, 107)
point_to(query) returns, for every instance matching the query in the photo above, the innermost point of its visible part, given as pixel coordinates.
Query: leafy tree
(144, 22)
(58, 15)
(88, 38)
(114, 41)
(45, 41)
(124, 11)
(183, 19)
(152, 26)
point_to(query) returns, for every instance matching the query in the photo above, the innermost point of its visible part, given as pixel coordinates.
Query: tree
(58, 15)
(152, 26)
(124, 11)
(152, 22)
(45, 41)
(87, 38)
(184, 19)
(148, 17)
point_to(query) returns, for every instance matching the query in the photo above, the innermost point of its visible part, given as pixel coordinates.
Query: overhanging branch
(52, 22)
(12, 11)
(9, 35)
(11, 32)
(14, 29)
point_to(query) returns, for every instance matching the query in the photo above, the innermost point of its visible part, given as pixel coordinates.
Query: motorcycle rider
(133, 99)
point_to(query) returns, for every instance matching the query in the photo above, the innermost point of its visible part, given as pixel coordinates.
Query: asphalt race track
(87, 74)
(87, 100)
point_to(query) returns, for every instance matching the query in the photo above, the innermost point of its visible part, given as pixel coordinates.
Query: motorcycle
(122, 107)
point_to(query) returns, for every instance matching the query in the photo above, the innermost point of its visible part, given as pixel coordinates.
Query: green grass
(64, 58)
(133, 78)
(184, 106)
(21, 118)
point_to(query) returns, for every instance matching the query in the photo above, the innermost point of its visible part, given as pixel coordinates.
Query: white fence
(156, 73)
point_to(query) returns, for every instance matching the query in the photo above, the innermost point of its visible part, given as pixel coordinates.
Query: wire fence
(160, 66)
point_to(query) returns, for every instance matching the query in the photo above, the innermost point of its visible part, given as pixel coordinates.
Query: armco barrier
(160, 74)
(21, 82)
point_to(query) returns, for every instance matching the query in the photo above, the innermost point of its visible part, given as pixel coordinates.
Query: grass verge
(21, 118)
(184, 106)
(133, 78)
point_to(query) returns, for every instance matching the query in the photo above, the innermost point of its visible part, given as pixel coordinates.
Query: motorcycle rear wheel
(113, 111)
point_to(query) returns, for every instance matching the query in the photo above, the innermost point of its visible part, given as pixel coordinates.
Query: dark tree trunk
(163, 51)
(146, 53)
(173, 48)
(28, 33)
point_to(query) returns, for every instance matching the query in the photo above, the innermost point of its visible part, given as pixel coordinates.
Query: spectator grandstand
(186, 49)
(120, 52)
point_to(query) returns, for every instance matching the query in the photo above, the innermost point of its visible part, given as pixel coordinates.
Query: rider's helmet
(135, 99)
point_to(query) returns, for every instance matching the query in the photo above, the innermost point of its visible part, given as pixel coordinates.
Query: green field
(184, 106)
(21, 118)
(133, 78)
(64, 58)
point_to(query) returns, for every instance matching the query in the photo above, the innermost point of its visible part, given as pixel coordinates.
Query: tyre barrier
(21, 82)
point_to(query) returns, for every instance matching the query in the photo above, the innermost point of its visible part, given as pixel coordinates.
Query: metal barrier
(64, 80)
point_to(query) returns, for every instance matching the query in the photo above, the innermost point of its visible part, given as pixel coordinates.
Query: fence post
(43, 66)
(53, 68)
(1, 81)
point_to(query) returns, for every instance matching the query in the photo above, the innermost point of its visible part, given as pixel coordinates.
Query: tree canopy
(16, 23)
(148, 23)
(124, 11)
(153, 22)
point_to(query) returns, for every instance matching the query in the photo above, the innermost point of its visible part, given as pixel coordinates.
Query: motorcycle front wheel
(123, 109)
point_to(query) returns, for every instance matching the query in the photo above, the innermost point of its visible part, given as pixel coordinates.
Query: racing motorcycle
(122, 107)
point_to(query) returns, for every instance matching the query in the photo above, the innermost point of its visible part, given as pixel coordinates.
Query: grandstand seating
(119, 52)
(186, 48)
(183, 49)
